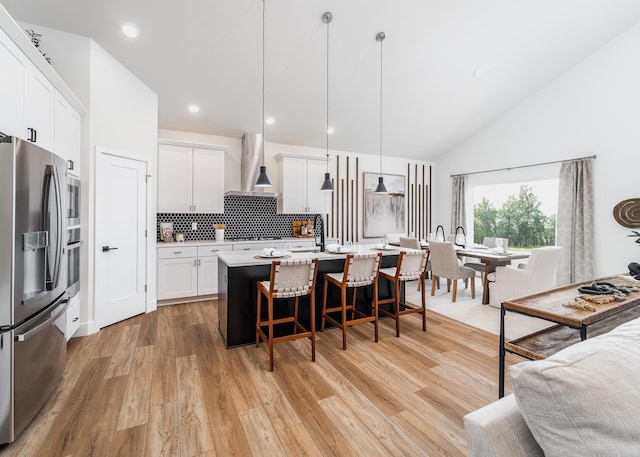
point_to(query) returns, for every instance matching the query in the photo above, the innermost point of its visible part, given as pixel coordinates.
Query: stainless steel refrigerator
(33, 282)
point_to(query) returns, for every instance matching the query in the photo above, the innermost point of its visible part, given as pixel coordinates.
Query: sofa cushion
(585, 400)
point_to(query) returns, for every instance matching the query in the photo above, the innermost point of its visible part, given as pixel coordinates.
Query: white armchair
(538, 275)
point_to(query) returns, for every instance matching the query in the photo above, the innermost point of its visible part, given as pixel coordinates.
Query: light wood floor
(162, 384)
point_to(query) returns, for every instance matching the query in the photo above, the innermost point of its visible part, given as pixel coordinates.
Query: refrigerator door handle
(54, 315)
(51, 175)
(59, 222)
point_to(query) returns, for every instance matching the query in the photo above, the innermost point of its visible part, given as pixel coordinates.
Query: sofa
(582, 401)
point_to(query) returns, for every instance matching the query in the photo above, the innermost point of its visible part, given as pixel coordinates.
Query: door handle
(108, 248)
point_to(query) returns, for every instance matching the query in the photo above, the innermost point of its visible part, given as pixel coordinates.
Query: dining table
(491, 261)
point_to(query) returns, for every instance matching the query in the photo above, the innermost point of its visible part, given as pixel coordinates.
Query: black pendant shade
(380, 188)
(263, 180)
(327, 184)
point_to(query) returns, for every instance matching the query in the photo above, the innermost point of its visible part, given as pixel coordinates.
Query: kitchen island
(238, 273)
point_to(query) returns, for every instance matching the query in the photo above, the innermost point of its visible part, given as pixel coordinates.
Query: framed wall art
(383, 213)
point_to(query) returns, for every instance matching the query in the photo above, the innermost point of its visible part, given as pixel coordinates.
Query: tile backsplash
(244, 216)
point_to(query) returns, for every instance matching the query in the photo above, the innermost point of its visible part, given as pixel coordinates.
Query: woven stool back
(361, 269)
(292, 278)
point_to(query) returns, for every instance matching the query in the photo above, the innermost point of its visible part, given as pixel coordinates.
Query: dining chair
(537, 275)
(288, 279)
(414, 243)
(412, 265)
(489, 242)
(444, 264)
(360, 270)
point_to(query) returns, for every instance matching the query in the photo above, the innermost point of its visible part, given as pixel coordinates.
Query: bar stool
(359, 270)
(411, 265)
(289, 279)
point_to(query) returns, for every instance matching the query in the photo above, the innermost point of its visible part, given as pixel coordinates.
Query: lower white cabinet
(208, 268)
(188, 271)
(71, 322)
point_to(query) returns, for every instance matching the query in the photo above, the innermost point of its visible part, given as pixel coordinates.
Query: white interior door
(121, 196)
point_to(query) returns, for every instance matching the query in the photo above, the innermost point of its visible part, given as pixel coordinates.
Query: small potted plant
(636, 235)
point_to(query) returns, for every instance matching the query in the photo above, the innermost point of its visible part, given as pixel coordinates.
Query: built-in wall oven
(74, 240)
(73, 201)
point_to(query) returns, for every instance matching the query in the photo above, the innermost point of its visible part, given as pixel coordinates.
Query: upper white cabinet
(67, 133)
(190, 180)
(12, 77)
(301, 181)
(39, 96)
(32, 108)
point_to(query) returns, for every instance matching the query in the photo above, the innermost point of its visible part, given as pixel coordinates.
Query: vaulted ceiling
(209, 52)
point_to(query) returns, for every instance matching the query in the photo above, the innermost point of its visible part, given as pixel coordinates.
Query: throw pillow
(585, 400)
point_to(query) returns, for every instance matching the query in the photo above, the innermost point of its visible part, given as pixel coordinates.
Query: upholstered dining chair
(444, 264)
(411, 265)
(413, 243)
(537, 275)
(289, 279)
(489, 242)
(406, 242)
(359, 270)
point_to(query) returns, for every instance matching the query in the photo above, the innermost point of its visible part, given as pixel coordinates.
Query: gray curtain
(458, 203)
(574, 225)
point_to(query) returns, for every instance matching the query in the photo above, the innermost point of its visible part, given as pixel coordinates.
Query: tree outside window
(519, 218)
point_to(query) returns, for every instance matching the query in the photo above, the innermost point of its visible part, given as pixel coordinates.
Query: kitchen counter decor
(303, 229)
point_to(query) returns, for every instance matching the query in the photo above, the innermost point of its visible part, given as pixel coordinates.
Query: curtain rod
(524, 166)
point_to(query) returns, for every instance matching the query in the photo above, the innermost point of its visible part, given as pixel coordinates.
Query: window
(516, 205)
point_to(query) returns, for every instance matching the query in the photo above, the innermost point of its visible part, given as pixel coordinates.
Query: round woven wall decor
(627, 213)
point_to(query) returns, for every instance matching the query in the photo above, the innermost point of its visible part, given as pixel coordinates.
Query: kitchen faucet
(315, 219)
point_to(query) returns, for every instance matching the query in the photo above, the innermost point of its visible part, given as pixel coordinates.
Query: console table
(548, 306)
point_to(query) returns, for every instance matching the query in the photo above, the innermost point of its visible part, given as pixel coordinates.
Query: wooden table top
(548, 304)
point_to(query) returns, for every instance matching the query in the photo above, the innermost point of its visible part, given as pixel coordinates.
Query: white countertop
(195, 243)
(232, 242)
(248, 258)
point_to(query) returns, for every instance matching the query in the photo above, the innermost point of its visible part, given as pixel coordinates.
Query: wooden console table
(548, 306)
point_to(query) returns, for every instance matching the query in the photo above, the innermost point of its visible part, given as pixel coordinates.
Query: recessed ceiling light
(269, 121)
(331, 130)
(194, 108)
(481, 70)
(130, 30)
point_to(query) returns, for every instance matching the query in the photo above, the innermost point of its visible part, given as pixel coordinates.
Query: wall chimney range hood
(250, 162)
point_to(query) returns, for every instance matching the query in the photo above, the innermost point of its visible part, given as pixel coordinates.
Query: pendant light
(327, 185)
(380, 188)
(263, 180)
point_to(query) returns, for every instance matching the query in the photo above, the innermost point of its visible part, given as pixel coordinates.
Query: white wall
(69, 56)
(594, 108)
(124, 117)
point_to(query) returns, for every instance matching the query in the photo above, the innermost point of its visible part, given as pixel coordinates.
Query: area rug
(472, 312)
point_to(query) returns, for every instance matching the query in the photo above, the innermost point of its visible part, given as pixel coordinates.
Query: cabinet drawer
(175, 252)
(208, 251)
(72, 323)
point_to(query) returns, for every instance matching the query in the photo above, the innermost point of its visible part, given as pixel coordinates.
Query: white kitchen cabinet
(67, 133)
(72, 321)
(208, 268)
(188, 271)
(190, 180)
(39, 96)
(12, 77)
(177, 272)
(301, 179)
